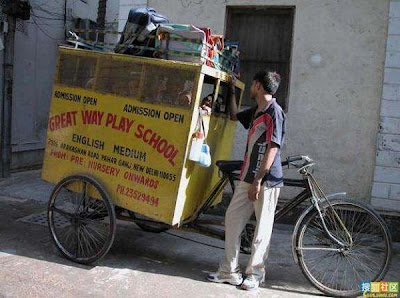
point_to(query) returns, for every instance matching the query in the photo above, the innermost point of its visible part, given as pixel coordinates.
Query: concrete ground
(139, 264)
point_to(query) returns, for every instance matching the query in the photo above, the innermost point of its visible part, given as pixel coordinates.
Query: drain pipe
(7, 92)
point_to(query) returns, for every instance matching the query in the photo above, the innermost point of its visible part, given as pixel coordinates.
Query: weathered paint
(87, 123)
(385, 191)
(36, 44)
(333, 112)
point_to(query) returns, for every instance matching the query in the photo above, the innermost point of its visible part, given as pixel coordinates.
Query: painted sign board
(127, 122)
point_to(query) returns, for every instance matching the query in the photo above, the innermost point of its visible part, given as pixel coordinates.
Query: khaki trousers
(238, 214)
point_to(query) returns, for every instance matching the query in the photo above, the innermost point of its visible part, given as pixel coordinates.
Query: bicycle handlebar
(294, 158)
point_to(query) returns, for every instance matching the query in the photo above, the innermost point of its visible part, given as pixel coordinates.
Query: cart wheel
(147, 224)
(81, 219)
(247, 239)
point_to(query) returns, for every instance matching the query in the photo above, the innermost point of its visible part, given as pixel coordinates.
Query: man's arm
(232, 99)
(266, 164)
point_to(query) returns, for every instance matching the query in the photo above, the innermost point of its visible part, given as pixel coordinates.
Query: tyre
(247, 238)
(335, 269)
(81, 219)
(147, 224)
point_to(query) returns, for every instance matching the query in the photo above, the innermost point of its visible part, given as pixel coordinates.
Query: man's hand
(232, 84)
(254, 190)
(232, 101)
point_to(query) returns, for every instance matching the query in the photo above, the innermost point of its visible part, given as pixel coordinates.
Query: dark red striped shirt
(264, 127)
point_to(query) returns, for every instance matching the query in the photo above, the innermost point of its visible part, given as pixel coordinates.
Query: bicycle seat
(229, 166)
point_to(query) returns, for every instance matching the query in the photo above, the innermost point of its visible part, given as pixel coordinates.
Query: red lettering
(121, 125)
(154, 201)
(129, 124)
(77, 159)
(74, 116)
(57, 121)
(63, 120)
(51, 123)
(146, 133)
(155, 139)
(92, 117)
(171, 158)
(120, 188)
(168, 151)
(86, 117)
(114, 121)
(139, 132)
(68, 120)
(110, 118)
(162, 145)
(136, 178)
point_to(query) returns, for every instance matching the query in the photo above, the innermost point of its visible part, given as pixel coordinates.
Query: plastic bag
(199, 150)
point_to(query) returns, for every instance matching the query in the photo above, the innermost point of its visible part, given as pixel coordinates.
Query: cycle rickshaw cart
(119, 135)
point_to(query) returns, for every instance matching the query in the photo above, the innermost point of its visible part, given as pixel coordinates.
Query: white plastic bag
(195, 149)
(205, 156)
(199, 150)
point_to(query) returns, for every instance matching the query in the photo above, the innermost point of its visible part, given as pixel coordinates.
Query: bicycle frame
(317, 195)
(308, 183)
(301, 197)
(195, 224)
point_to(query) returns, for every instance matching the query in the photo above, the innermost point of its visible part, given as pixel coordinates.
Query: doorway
(265, 37)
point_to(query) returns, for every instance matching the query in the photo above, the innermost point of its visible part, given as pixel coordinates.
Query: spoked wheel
(338, 269)
(81, 219)
(247, 238)
(147, 224)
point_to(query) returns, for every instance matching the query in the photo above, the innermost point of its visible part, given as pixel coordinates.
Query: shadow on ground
(162, 254)
(138, 262)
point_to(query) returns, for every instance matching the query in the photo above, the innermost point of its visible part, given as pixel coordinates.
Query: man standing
(261, 178)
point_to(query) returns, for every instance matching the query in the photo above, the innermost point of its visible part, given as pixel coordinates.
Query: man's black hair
(270, 80)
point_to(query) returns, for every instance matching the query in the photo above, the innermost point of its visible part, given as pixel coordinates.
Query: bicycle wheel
(81, 219)
(147, 224)
(246, 240)
(337, 270)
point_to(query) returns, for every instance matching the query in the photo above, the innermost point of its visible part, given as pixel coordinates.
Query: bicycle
(337, 242)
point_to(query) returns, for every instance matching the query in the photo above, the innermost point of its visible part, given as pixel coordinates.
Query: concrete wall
(333, 113)
(36, 44)
(86, 9)
(112, 20)
(386, 186)
(124, 7)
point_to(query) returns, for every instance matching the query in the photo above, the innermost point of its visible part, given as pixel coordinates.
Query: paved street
(139, 264)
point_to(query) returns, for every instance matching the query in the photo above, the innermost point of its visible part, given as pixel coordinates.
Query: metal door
(265, 36)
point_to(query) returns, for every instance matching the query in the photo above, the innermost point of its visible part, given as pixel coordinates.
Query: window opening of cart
(207, 95)
(206, 104)
(119, 77)
(168, 86)
(220, 106)
(77, 71)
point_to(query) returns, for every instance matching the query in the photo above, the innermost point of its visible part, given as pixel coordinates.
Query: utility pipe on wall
(6, 113)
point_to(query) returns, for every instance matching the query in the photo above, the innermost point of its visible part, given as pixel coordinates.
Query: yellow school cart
(120, 132)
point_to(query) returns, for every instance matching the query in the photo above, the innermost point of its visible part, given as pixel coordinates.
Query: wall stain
(187, 3)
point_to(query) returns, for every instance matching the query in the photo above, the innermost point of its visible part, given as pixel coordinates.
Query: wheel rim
(338, 268)
(88, 221)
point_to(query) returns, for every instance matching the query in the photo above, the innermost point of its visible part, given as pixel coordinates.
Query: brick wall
(386, 186)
